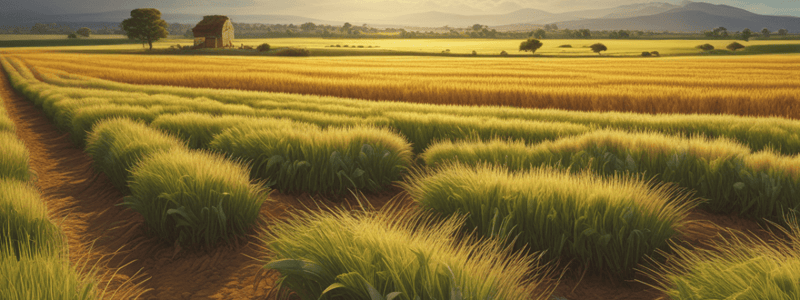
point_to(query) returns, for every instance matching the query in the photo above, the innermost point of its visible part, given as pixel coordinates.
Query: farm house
(213, 32)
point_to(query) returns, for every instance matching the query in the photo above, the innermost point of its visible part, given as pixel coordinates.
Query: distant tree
(585, 33)
(705, 47)
(539, 34)
(646, 54)
(530, 45)
(72, 36)
(346, 27)
(708, 34)
(503, 53)
(624, 34)
(84, 31)
(746, 34)
(474, 52)
(477, 27)
(721, 32)
(782, 32)
(655, 53)
(765, 32)
(554, 27)
(145, 25)
(308, 26)
(188, 34)
(263, 47)
(735, 46)
(548, 27)
(597, 48)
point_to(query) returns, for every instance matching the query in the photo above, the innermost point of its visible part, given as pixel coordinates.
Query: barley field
(747, 85)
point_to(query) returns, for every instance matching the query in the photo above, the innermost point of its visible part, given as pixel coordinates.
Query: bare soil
(128, 260)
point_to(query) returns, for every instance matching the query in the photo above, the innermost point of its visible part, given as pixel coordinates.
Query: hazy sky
(362, 9)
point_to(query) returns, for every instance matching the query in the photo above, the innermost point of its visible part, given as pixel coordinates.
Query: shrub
(117, 145)
(598, 47)
(565, 46)
(338, 45)
(735, 46)
(360, 46)
(646, 54)
(14, 158)
(194, 197)
(503, 53)
(474, 52)
(72, 36)
(346, 46)
(329, 161)
(655, 53)
(706, 47)
(293, 52)
(607, 224)
(23, 220)
(353, 256)
(263, 47)
(758, 185)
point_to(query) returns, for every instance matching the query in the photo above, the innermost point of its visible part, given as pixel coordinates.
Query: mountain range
(656, 16)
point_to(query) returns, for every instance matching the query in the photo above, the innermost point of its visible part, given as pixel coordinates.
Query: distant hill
(696, 16)
(439, 19)
(528, 16)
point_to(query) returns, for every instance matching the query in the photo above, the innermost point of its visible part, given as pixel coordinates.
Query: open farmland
(609, 195)
(747, 85)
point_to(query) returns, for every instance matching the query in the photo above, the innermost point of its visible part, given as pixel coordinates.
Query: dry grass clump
(608, 225)
(391, 253)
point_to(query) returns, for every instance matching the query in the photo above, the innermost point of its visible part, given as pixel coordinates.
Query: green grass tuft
(735, 268)
(117, 145)
(339, 255)
(23, 219)
(42, 275)
(194, 197)
(198, 130)
(14, 157)
(606, 224)
(332, 160)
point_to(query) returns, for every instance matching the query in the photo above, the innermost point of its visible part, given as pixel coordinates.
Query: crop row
(676, 85)
(423, 124)
(33, 260)
(731, 177)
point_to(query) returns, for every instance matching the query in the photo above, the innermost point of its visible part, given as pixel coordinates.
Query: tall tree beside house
(145, 25)
(84, 31)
